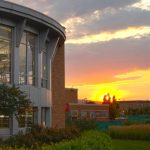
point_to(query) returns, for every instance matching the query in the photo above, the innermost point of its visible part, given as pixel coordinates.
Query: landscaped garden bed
(58, 139)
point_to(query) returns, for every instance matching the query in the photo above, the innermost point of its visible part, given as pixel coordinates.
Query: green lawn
(130, 145)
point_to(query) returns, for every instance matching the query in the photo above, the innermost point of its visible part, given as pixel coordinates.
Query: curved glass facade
(32, 57)
(5, 53)
(27, 50)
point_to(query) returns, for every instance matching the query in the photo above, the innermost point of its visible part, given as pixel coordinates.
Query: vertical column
(42, 41)
(58, 88)
(15, 78)
(39, 115)
(15, 59)
(43, 123)
(39, 68)
(37, 64)
(14, 125)
(16, 66)
(52, 48)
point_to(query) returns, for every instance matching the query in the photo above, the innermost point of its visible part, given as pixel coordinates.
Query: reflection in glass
(5, 32)
(22, 64)
(5, 54)
(27, 59)
(4, 121)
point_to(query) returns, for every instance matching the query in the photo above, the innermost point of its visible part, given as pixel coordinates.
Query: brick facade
(71, 95)
(58, 89)
(99, 112)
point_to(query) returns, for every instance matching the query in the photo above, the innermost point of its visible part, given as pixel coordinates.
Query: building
(88, 111)
(32, 57)
(98, 112)
(71, 95)
(133, 104)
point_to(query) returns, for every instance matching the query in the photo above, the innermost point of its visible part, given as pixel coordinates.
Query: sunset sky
(107, 46)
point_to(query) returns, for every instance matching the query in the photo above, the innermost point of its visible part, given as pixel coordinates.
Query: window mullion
(27, 62)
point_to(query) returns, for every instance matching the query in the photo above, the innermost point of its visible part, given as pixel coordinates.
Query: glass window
(5, 54)
(5, 32)
(84, 114)
(92, 115)
(101, 114)
(29, 118)
(4, 121)
(22, 64)
(45, 116)
(74, 114)
(44, 66)
(27, 59)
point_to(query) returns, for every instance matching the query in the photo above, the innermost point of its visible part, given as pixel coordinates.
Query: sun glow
(128, 86)
(112, 89)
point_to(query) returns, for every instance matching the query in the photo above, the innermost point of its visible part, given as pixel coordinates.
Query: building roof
(24, 12)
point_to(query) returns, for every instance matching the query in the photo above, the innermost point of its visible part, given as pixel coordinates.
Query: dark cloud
(66, 8)
(104, 60)
(121, 19)
(63, 9)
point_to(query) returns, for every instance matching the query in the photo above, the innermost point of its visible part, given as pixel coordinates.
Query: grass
(130, 145)
(132, 132)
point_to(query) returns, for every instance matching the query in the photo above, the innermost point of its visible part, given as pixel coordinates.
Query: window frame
(44, 80)
(27, 64)
(10, 54)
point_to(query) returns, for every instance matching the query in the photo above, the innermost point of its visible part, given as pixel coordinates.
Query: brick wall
(71, 95)
(102, 109)
(58, 89)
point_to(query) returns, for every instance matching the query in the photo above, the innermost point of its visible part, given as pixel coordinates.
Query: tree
(113, 106)
(114, 109)
(13, 101)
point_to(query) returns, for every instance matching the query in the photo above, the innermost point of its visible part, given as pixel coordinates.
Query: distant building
(85, 110)
(71, 95)
(98, 112)
(133, 104)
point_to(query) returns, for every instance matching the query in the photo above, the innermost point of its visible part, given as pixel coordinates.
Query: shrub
(20, 140)
(136, 132)
(90, 140)
(84, 125)
(39, 136)
(147, 122)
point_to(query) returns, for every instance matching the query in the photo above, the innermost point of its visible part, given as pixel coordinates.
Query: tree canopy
(13, 100)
